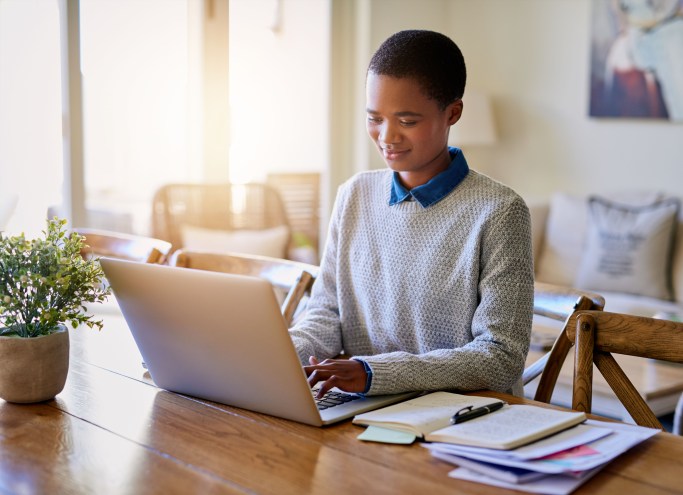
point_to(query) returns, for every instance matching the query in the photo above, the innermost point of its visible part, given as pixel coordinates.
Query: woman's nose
(389, 134)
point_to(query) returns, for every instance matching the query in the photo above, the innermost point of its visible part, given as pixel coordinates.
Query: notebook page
(422, 414)
(511, 426)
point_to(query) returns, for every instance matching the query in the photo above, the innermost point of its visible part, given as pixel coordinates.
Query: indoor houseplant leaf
(44, 284)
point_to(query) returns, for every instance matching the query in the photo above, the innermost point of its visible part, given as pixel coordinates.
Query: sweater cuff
(368, 372)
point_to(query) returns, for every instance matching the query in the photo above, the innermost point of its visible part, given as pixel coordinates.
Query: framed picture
(637, 59)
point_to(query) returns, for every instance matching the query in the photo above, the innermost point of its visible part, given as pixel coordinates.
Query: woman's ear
(454, 111)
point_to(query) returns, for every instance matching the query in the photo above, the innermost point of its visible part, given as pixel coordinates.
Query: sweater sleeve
(500, 327)
(319, 333)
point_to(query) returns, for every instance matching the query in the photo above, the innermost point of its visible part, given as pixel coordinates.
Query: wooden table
(111, 431)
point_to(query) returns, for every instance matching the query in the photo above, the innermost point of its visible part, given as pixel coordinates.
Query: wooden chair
(291, 280)
(300, 194)
(123, 246)
(221, 206)
(558, 303)
(598, 334)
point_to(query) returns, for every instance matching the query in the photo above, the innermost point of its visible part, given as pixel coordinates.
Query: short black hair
(431, 58)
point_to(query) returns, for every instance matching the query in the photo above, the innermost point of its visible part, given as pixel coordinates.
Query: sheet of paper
(578, 435)
(508, 427)
(385, 435)
(503, 473)
(551, 485)
(602, 450)
(622, 439)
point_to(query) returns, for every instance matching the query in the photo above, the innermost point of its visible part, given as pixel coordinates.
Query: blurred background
(102, 102)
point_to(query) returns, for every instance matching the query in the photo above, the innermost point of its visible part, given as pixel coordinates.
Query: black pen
(467, 413)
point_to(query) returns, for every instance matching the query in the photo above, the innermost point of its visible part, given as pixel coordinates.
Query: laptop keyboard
(334, 398)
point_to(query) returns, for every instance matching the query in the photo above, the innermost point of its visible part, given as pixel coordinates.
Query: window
(135, 65)
(279, 87)
(30, 112)
(151, 81)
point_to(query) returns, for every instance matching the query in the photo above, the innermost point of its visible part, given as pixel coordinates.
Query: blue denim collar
(437, 188)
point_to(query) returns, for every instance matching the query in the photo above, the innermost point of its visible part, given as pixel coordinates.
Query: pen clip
(467, 413)
(463, 410)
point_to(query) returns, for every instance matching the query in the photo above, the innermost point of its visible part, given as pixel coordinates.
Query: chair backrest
(558, 303)
(300, 194)
(598, 334)
(220, 206)
(291, 279)
(123, 246)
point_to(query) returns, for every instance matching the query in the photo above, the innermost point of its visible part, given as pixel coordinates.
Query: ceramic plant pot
(33, 369)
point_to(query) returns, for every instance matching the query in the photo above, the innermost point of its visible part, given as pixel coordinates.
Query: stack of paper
(522, 447)
(555, 465)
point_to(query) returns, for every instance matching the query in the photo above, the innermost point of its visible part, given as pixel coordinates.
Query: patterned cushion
(629, 249)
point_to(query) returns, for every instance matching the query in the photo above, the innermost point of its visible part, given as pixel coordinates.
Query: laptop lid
(220, 337)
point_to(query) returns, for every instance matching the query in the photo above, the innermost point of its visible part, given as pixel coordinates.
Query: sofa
(626, 246)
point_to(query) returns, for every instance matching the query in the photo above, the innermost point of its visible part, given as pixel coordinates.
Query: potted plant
(44, 284)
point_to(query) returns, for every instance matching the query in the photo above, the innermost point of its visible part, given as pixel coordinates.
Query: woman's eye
(408, 123)
(374, 120)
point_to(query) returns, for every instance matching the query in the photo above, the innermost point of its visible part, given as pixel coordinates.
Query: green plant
(45, 282)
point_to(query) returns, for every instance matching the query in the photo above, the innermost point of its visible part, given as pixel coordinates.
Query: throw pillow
(565, 232)
(271, 242)
(629, 249)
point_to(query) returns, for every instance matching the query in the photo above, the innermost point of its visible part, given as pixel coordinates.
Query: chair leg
(555, 360)
(582, 393)
(625, 391)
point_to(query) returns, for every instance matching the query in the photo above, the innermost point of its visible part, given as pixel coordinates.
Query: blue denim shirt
(437, 188)
(427, 194)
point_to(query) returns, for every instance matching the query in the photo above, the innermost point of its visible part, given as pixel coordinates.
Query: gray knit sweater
(431, 298)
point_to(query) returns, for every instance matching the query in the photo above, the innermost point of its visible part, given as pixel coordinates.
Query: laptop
(222, 337)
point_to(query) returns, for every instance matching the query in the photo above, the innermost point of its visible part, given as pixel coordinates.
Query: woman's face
(409, 129)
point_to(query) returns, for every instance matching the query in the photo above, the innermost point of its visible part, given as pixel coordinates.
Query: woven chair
(123, 246)
(221, 207)
(291, 280)
(300, 194)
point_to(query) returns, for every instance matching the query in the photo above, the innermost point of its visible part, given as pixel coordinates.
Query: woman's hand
(346, 374)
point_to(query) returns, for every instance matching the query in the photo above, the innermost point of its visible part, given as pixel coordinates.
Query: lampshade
(476, 126)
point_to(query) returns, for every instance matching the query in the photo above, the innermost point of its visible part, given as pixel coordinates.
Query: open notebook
(221, 337)
(507, 427)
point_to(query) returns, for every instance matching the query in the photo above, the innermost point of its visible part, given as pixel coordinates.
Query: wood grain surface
(112, 431)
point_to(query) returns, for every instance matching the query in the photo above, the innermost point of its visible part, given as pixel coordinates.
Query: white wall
(533, 58)
(389, 16)
(30, 111)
